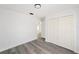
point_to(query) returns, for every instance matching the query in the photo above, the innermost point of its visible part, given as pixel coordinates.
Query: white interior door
(60, 31)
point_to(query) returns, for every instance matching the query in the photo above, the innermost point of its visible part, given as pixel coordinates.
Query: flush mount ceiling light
(37, 6)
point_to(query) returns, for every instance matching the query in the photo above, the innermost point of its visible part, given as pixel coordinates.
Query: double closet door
(60, 31)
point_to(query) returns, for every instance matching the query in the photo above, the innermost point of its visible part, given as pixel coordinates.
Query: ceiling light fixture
(31, 13)
(37, 6)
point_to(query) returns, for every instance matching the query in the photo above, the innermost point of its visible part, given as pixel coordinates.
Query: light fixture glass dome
(37, 6)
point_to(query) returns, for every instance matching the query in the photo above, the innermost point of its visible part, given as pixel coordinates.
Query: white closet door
(61, 31)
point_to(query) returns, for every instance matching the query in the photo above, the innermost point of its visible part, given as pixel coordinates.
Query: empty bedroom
(39, 28)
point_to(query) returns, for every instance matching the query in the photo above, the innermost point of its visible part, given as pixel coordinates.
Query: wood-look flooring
(38, 47)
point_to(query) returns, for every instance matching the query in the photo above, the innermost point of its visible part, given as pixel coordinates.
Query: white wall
(16, 28)
(60, 29)
(43, 27)
(76, 14)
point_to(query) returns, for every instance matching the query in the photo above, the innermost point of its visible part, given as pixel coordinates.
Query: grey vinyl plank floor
(38, 47)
